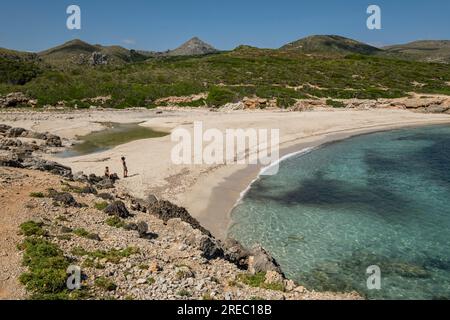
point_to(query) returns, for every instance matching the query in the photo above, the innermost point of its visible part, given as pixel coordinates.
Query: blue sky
(163, 24)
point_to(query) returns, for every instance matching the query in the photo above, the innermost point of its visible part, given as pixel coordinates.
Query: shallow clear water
(380, 199)
(115, 134)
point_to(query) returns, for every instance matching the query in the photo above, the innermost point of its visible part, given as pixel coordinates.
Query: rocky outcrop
(20, 154)
(174, 100)
(166, 210)
(49, 166)
(118, 209)
(261, 261)
(16, 99)
(236, 253)
(98, 59)
(259, 103)
(64, 198)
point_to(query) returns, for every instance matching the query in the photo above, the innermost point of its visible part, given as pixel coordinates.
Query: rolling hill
(330, 44)
(80, 52)
(426, 50)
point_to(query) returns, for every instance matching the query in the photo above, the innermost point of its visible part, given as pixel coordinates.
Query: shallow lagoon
(113, 135)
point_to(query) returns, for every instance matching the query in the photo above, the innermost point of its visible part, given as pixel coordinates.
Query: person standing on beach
(125, 169)
(107, 174)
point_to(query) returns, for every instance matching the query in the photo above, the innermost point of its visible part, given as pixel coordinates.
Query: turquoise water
(380, 199)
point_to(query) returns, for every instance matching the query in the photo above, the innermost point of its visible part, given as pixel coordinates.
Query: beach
(208, 192)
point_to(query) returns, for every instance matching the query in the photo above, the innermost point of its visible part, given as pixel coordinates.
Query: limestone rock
(261, 261)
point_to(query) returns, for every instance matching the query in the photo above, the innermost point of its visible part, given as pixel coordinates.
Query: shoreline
(208, 192)
(225, 196)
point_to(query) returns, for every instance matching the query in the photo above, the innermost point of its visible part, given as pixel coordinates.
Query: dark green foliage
(115, 222)
(101, 205)
(219, 96)
(47, 266)
(258, 281)
(105, 284)
(37, 195)
(230, 76)
(32, 228)
(335, 104)
(17, 72)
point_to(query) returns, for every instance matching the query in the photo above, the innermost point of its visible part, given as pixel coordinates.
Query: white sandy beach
(209, 192)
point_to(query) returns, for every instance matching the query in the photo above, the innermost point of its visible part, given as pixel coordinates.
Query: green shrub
(31, 228)
(184, 293)
(115, 222)
(257, 281)
(105, 284)
(220, 96)
(37, 195)
(335, 104)
(101, 205)
(47, 269)
(85, 234)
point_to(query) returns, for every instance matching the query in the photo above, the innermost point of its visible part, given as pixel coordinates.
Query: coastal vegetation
(286, 75)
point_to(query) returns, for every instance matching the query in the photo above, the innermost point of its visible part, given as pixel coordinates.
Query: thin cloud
(129, 41)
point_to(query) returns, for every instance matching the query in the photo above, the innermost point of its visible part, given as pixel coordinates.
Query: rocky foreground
(127, 248)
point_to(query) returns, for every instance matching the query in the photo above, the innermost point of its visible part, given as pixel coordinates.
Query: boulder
(53, 141)
(105, 196)
(138, 205)
(210, 248)
(118, 209)
(236, 253)
(261, 261)
(151, 199)
(64, 198)
(105, 183)
(15, 132)
(4, 128)
(142, 229)
(114, 177)
(94, 179)
(80, 177)
(88, 190)
(5, 144)
(9, 161)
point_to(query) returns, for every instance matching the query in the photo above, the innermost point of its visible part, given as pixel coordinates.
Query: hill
(18, 55)
(80, 52)
(330, 44)
(193, 47)
(426, 50)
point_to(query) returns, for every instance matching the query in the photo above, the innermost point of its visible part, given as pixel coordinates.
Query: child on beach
(107, 174)
(125, 169)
